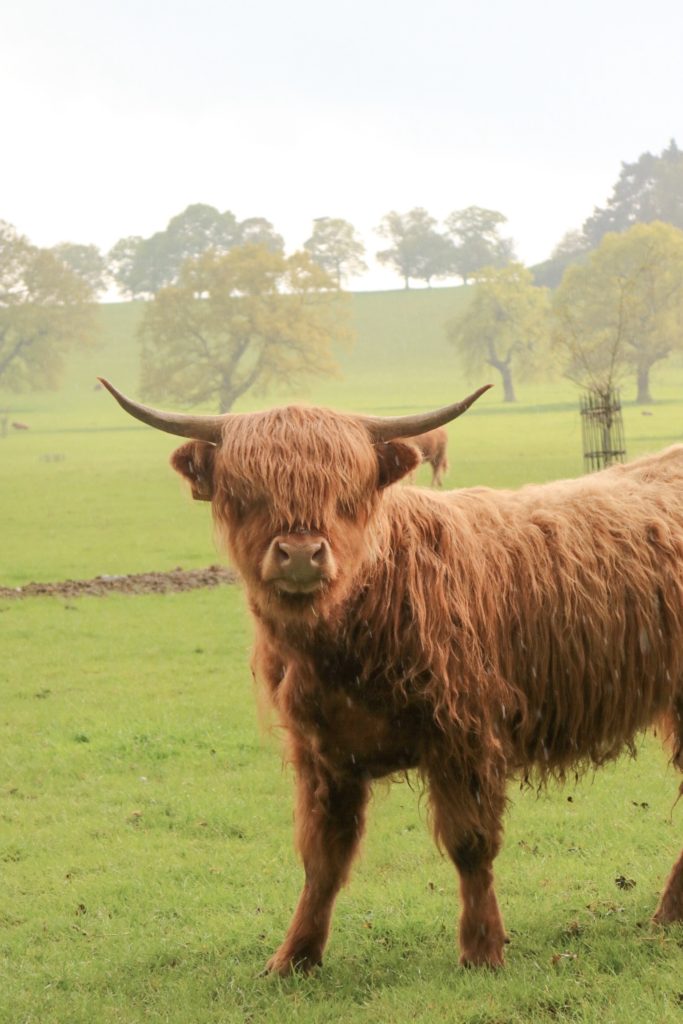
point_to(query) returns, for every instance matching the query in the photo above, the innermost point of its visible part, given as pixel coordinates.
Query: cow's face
(295, 494)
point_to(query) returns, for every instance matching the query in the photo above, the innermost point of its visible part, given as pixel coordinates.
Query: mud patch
(172, 582)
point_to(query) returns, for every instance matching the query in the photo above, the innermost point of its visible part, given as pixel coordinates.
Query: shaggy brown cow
(473, 636)
(432, 447)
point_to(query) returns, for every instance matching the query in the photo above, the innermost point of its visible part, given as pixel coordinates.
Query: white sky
(115, 116)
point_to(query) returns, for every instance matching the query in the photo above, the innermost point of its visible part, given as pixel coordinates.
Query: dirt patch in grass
(136, 583)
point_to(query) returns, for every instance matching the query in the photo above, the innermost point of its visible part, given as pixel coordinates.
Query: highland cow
(471, 636)
(432, 447)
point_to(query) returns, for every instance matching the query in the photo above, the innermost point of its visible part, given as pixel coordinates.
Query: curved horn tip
(200, 428)
(122, 399)
(471, 399)
(110, 387)
(385, 428)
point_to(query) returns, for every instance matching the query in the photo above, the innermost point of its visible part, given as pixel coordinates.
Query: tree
(336, 248)
(141, 266)
(476, 241)
(45, 308)
(248, 318)
(259, 231)
(648, 190)
(621, 311)
(571, 248)
(121, 263)
(85, 260)
(418, 250)
(505, 325)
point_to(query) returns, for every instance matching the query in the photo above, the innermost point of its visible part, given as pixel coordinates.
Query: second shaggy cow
(433, 447)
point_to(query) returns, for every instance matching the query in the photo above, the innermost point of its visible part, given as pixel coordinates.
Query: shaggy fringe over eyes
(307, 463)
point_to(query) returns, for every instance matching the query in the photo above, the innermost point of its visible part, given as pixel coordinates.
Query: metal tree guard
(602, 428)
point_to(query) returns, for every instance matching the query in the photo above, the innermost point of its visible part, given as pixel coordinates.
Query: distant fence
(602, 429)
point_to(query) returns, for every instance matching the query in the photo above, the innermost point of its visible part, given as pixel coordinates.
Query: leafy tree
(198, 228)
(621, 311)
(248, 318)
(144, 265)
(121, 261)
(418, 251)
(335, 246)
(505, 325)
(141, 266)
(474, 233)
(45, 308)
(571, 248)
(648, 190)
(259, 231)
(85, 260)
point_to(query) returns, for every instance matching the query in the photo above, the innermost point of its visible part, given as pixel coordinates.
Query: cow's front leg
(467, 823)
(330, 817)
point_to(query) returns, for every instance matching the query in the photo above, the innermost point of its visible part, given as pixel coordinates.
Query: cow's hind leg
(670, 907)
(440, 465)
(330, 820)
(468, 825)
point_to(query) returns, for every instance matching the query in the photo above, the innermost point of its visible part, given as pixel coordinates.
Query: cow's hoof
(669, 912)
(492, 962)
(484, 955)
(285, 964)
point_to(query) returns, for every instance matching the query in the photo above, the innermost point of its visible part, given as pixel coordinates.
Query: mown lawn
(146, 861)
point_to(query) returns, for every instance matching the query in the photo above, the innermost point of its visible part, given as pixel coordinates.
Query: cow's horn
(385, 428)
(200, 428)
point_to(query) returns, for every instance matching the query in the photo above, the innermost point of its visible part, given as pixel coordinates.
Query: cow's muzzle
(298, 564)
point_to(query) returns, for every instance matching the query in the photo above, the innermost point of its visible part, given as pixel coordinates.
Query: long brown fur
(473, 635)
(433, 446)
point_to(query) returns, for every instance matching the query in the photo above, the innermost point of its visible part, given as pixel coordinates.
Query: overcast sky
(117, 116)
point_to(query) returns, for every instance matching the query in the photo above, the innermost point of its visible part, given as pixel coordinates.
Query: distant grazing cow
(472, 636)
(19, 426)
(432, 447)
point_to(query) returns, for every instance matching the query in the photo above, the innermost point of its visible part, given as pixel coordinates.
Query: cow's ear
(395, 459)
(194, 461)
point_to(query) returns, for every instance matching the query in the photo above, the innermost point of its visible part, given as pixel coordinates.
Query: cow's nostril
(283, 554)
(318, 555)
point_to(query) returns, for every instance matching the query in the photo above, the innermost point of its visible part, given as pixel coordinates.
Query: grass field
(146, 862)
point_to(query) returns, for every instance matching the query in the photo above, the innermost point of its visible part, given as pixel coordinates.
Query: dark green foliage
(335, 247)
(477, 243)
(45, 309)
(141, 266)
(649, 189)
(86, 261)
(417, 250)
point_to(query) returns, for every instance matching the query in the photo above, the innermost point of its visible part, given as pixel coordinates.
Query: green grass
(146, 861)
(147, 864)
